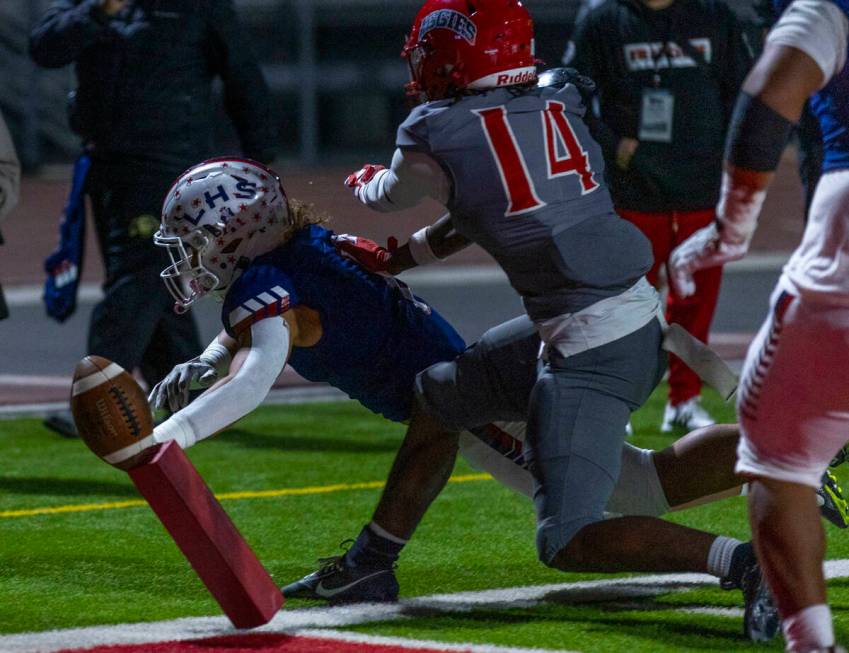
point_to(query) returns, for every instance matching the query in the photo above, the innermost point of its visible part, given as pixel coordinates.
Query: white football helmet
(217, 217)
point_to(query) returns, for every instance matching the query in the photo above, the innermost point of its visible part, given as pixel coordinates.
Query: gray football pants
(576, 407)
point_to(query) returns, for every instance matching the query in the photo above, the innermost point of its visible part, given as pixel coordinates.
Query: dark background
(333, 67)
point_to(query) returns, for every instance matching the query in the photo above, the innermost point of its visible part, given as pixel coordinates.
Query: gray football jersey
(528, 186)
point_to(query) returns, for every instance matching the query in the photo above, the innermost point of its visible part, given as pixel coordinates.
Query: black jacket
(145, 78)
(613, 45)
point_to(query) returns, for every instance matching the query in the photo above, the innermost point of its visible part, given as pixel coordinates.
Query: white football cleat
(688, 415)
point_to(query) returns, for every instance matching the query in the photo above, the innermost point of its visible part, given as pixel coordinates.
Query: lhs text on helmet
(218, 216)
(242, 190)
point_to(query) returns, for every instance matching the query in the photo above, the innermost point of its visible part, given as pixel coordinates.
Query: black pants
(135, 324)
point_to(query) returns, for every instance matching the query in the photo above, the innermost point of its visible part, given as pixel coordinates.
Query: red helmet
(469, 44)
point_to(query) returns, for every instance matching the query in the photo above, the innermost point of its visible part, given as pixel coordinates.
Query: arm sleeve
(413, 176)
(817, 28)
(246, 95)
(66, 29)
(221, 406)
(10, 172)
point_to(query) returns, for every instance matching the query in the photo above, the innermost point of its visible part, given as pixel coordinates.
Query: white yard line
(34, 379)
(296, 621)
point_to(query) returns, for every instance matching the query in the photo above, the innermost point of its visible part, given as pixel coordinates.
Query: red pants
(666, 231)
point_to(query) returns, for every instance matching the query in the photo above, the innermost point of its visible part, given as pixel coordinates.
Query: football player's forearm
(228, 342)
(771, 101)
(412, 177)
(435, 242)
(802, 52)
(444, 239)
(252, 374)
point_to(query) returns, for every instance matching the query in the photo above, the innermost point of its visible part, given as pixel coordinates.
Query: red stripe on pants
(666, 231)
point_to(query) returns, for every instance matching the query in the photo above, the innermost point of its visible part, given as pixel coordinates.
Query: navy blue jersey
(375, 336)
(843, 4)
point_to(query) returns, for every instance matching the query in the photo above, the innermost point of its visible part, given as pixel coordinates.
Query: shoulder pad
(559, 77)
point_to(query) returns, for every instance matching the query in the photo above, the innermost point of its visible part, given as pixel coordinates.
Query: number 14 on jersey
(564, 155)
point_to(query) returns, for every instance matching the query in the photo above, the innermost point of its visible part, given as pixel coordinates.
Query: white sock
(719, 556)
(386, 535)
(810, 629)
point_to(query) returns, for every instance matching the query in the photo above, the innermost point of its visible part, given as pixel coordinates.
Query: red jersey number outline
(518, 186)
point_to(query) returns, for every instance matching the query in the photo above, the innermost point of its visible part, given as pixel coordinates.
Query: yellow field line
(225, 496)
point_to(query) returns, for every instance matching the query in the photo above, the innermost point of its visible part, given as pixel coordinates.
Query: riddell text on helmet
(506, 79)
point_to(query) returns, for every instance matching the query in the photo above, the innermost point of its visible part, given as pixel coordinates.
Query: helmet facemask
(187, 278)
(430, 82)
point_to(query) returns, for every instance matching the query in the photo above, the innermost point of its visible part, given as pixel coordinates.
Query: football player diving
(290, 296)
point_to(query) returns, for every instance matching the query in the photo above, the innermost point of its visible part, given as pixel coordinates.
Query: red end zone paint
(261, 643)
(207, 537)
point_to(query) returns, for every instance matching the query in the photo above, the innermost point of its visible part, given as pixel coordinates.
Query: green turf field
(66, 559)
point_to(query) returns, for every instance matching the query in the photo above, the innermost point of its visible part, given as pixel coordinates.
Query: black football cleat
(760, 616)
(336, 581)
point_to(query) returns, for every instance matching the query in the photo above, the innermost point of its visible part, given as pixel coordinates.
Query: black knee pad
(490, 381)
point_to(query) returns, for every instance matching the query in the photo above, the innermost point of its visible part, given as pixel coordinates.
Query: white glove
(358, 180)
(199, 372)
(704, 249)
(176, 385)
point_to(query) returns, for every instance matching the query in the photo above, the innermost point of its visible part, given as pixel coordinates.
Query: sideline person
(144, 110)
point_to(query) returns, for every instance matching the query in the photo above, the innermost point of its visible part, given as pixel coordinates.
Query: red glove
(366, 252)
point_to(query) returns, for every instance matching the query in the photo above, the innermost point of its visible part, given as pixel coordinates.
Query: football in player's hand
(111, 412)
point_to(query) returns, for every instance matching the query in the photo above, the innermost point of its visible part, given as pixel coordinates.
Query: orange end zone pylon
(207, 537)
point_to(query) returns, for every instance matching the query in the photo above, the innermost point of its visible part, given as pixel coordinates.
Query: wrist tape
(420, 248)
(216, 355)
